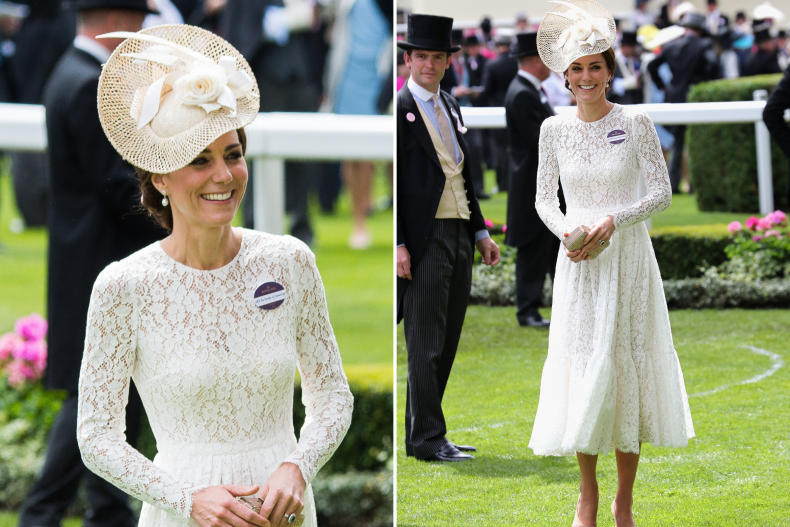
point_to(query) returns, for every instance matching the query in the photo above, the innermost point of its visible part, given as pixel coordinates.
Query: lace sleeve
(651, 162)
(325, 392)
(107, 364)
(547, 203)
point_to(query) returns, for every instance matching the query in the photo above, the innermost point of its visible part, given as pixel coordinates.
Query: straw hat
(574, 29)
(167, 92)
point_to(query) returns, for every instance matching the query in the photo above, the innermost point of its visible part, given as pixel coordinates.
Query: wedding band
(290, 517)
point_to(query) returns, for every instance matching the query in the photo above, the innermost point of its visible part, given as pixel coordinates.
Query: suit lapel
(454, 123)
(537, 93)
(418, 126)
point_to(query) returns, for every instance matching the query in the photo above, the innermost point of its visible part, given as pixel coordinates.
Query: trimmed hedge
(354, 499)
(723, 157)
(718, 293)
(682, 251)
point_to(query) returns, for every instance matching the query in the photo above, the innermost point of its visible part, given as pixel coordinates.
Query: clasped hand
(602, 230)
(282, 495)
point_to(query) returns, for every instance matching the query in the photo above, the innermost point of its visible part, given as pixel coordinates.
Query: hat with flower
(167, 92)
(574, 29)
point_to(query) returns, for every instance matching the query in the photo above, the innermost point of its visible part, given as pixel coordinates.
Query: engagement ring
(290, 517)
(602, 242)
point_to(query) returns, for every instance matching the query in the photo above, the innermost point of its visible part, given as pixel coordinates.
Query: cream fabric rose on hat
(203, 85)
(573, 29)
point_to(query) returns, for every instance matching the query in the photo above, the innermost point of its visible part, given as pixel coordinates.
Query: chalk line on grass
(777, 363)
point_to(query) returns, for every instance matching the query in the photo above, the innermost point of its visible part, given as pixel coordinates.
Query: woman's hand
(283, 495)
(217, 506)
(602, 230)
(575, 256)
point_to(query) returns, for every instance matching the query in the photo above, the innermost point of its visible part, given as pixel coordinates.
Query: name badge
(615, 137)
(269, 295)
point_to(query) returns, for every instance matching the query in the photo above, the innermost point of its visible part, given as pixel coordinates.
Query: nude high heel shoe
(576, 521)
(615, 517)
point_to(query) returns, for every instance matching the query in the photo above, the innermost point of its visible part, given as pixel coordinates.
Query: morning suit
(525, 110)
(94, 219)
(761, 63)
(773, 116)
(692, 60)
(433, 304)
(496, 81)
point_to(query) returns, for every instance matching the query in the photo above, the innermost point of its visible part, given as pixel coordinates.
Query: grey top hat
(693, 21)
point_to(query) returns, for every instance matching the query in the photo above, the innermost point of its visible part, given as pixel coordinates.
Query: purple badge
(269, 295)
(615, 137)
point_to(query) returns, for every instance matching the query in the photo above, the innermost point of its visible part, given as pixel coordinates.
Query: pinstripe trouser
(434, 307)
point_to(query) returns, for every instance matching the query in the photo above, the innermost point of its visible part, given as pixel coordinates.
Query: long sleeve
(107, 364)
(651, 162)
(325, 393)
(547, 202)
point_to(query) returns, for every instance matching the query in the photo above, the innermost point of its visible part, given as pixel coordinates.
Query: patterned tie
(444, 126)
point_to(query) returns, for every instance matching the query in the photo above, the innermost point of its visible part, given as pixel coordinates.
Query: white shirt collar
(91, 47)
(419, 91)
(531, 78)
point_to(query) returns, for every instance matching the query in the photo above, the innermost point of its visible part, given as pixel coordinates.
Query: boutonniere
(452, 111)
(410, 117)
(461, 128)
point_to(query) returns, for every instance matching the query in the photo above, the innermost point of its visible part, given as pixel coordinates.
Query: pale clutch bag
(575, 241)
(255, 505)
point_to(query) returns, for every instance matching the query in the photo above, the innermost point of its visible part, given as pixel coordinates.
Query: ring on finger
(290, 518)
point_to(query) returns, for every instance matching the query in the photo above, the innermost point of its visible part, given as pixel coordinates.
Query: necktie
(444, 126)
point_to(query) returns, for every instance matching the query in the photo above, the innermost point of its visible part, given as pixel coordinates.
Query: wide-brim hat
(526, 45)
(167, 92)
(430, 33)
(573, 29)
(138, 5)
(664, 36)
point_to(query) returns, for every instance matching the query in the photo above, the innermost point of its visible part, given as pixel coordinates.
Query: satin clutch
(255, 504)
(575, 241)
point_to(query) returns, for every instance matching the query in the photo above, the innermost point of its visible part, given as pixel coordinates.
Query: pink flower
(772, 232)
(18, 372)
(32, 351)
(764, 224)
(751, 223)
(8, 345)
(777, 217)
(504, 228)
(757, 238)
(734, 226)
(489, 223)
(33, 327)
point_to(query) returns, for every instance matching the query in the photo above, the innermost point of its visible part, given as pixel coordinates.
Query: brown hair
(611, 65)
(152, 198)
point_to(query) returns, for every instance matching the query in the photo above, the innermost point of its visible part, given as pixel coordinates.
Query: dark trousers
(499, 142)
(533, 261)
(31, 186)
(676, 163)
(434, 307)
(474, 141)
(57, 484)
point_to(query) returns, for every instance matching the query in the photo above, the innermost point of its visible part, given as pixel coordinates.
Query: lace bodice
(599, 164)
(215, 372)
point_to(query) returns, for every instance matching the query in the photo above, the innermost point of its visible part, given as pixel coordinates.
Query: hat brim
(525, 54)
(408, 47)
(78, 5)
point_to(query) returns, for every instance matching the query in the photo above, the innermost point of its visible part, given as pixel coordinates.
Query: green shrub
(723, 157)
(715, 292)
(355, 499)
(681, 252)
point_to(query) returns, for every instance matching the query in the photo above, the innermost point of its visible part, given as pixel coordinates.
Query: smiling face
(427, 67)
(587, 77)
(207, 192)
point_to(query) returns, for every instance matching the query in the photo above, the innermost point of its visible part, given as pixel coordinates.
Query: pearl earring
(165, 203)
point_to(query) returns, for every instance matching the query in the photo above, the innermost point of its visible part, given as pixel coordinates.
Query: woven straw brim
(178, 133)
(552, 26)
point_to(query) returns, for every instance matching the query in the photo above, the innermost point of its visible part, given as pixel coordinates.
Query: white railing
(680, 113)
(272, 139)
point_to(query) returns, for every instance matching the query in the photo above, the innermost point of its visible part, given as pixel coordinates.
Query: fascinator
(167, 92)
(573, 29)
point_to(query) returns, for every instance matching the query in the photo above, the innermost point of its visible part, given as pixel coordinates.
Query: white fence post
(765, 179)
(269, 194)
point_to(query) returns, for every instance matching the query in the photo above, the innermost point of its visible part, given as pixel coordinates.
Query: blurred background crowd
(720, 45)
(307, 55)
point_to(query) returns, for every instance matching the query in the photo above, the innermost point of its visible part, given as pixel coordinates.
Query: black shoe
(483, 195)
(449, 453)
(535, 321)
(465, 448)
(409, 451)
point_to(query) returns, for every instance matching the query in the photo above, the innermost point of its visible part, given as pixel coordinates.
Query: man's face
(522, 25)
(628, 50)
(472, 50)
(427, 67)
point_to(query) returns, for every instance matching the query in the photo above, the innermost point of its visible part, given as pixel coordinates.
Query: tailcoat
(773, 115)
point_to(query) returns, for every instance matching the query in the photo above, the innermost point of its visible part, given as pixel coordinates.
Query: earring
(165, 203)
(608, 81)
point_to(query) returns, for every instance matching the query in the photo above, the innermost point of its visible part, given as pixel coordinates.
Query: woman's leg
(587, 510)
(624, 499)
(358, 176)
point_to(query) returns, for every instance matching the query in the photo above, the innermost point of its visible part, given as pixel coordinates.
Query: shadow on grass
(546, 469)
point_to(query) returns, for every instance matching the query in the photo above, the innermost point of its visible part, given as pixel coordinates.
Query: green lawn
(734, 473)
(8, 519)
(683, 211)
(358, 283)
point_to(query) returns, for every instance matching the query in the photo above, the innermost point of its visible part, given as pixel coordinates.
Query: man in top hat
(438, 225)
(765, 60)
(93, 221)
(496, 80)
(692, 59)
(626, 84)
(773, 115)
(526, 107)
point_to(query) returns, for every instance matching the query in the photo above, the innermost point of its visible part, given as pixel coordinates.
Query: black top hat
(694, 21)
(429, 32)
(527, 45)
(471, 40)
(139, 5)
(762, 35)
(629, 38)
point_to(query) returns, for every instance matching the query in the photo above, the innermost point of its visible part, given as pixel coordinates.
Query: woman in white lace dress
(212, 322)
(612, 379)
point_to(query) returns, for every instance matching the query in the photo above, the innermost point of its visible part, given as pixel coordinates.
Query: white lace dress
(612, 376)
(215, 373)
